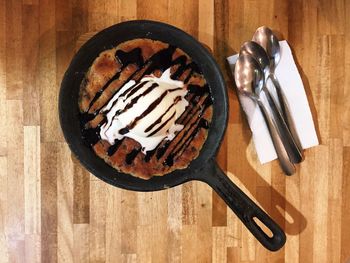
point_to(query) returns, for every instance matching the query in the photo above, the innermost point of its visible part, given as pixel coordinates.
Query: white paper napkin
(292, 85)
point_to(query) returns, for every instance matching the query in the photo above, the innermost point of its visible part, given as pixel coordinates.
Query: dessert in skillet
(145, 108)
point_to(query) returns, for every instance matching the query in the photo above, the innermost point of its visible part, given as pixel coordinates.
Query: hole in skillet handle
(273, 238)
(265, 229)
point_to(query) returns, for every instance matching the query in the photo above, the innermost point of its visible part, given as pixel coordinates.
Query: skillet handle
(243, 206)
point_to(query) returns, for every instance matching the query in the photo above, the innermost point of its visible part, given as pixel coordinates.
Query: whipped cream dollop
(145, 111)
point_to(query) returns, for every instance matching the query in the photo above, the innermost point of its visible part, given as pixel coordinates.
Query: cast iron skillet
(204, 168)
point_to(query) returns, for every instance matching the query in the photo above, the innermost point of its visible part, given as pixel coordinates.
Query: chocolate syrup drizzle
(161, 60)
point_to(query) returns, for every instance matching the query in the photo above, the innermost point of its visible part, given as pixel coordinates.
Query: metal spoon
(249, 81)
(267, 39)
(260, 55)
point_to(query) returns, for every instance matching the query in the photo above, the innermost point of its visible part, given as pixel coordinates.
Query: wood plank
(114, 225)
(292, 221)
(3, 116)
(206, 22)
(129, 222)
(32, 193)
(189, 215)
(153, 9)
(184, 14)
(144, 247)
(31, 2)
(4, 254)
(345, 206)
(233, 230)
(15, 212)
(321, 194)
(97, 227)
(81, 193)
(65, 45)
(65, 231)
(204, 204)
(189, 241)
(80, 16)
(174, 223)
(81, 242)
(30, 69)
(219, 245)
(346, 95)
(280, 17)
(50, 131)
(331, 17)
(322, 99)
(102, 14)
(129, 258)
(16, 251)
(49, 157)
(159, 237)
(337, 75)
(127, 10)
(232, 254)
(220, 34)
(235, 34)
(307, 168)
(32, 246)
(14, 59)
(3, 143)
(334, 199)
(63, 15)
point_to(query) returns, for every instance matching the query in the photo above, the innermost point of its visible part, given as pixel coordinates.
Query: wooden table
(53, 210)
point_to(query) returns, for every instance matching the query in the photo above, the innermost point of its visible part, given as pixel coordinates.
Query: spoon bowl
(259, 54)
(249, 77)
(267, 39)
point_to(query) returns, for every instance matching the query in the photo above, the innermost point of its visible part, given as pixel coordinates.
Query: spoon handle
(286, 165)
(287, 138)
(286, 110)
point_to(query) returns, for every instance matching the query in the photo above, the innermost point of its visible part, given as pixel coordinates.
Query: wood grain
(53, 210)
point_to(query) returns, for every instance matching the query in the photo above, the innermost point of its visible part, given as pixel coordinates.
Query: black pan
(204, 168)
